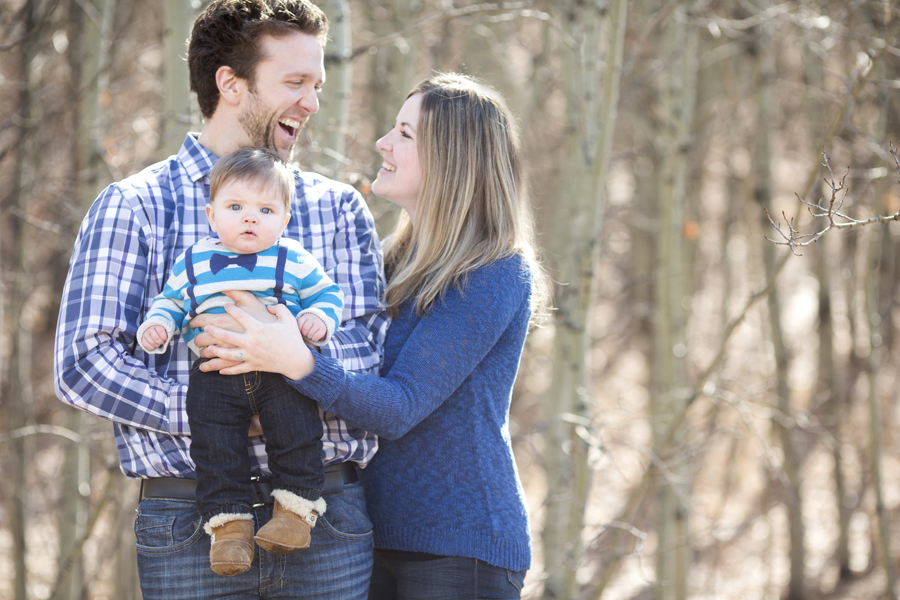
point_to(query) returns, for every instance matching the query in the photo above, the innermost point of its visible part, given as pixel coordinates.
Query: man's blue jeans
(219, 408)
(418, 576)
(173, 555)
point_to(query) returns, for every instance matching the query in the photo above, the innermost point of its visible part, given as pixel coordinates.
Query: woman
(443, 492)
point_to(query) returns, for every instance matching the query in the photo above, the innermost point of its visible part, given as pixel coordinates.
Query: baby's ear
(211, 217)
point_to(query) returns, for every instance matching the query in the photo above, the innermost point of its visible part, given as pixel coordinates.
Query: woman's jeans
(400, 575)
(219, 409)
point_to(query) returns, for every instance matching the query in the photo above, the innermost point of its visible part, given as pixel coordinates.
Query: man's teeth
(290, 123)
(388, 167)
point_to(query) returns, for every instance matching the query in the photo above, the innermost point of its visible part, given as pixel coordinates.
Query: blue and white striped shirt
(124, 254)
(282, 274)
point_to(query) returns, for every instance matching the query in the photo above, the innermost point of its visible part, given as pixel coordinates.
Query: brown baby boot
(231, 550)
(289, 528)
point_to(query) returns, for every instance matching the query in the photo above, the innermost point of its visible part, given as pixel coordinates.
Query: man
(256, 66)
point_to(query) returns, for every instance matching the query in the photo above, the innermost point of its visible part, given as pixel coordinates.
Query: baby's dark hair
(258, 165)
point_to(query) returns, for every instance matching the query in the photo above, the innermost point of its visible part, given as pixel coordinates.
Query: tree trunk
(828, 383)
(334, 108)
(763, 192)
(677, 96)
(16, 392)
(89, 42)
(592, 116)
(179, 106)
(391, 75)
(874, 311)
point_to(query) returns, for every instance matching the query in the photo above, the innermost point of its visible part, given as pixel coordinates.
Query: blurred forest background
(706, 414)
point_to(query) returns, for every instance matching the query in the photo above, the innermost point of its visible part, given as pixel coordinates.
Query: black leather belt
(336, 476)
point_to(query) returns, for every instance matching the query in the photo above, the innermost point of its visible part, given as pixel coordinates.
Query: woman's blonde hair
(472, 208)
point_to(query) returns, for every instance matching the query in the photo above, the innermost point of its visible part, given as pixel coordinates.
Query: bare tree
(592, 101)
(179, 107)
(17, 385)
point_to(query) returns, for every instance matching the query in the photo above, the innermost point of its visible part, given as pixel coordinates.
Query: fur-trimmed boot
(291, 522)
(231, 550)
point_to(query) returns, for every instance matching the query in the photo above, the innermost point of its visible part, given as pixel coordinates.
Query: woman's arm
(443, 349)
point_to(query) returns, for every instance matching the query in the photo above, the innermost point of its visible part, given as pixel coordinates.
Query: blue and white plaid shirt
(123, 255)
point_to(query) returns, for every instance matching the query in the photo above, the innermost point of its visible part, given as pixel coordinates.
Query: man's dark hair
(228, 33)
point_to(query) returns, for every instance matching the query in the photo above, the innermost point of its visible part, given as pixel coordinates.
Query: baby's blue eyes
(237, 207)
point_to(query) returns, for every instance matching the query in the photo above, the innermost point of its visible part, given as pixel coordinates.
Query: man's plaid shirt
(123, 254)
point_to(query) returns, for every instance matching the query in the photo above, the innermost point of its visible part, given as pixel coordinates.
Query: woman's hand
(272, 347)
(244, 300)
(247, 302)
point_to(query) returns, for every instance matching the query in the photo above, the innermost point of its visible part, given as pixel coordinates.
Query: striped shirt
(124, 254)
(283, 274)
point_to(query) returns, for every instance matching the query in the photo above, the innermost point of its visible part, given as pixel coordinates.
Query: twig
(520, 7)
(794, 239)
(36, 27)
(35, 429)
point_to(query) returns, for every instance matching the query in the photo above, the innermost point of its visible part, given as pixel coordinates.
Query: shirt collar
(198, 161)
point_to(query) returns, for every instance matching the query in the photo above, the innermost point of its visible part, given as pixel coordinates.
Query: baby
(250, 193)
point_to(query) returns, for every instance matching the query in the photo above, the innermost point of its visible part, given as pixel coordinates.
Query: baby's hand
(312, 327)
(154, 337)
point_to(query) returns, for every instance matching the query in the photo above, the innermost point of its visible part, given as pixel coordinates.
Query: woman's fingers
(251, 305)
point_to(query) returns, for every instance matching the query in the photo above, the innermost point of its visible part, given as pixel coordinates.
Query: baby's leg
(293, 430)
(219, 416)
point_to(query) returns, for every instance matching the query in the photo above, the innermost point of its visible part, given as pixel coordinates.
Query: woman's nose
(382, 143)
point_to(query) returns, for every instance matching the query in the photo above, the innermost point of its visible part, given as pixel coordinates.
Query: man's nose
(309, 102)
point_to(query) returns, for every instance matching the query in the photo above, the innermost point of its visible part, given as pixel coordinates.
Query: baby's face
(248, 217)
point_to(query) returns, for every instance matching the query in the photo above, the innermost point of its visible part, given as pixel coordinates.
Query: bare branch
(832, 211)
(36, 429)
(521, 9)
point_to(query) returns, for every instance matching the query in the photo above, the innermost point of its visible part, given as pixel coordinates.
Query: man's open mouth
(290, 126)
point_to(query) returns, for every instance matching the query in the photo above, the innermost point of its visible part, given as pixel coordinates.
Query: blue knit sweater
(444, 480)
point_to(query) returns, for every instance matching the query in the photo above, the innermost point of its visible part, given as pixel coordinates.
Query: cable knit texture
(444, 480)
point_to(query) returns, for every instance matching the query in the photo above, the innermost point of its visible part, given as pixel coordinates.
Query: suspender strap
(278, 288)
(192, 278)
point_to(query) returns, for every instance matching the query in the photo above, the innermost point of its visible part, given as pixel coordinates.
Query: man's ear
(231, 87)
(210, 216)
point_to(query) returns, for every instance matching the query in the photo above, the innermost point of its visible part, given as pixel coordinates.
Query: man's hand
(255, 426)
(154, 337)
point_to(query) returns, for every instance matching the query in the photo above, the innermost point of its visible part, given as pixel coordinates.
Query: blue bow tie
(217, 262)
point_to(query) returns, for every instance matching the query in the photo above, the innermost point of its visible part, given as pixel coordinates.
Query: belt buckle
(262, 491)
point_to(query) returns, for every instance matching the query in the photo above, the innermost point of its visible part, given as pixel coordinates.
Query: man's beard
(260, 126)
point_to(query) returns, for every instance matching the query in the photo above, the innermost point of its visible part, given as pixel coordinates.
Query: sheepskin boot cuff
(289, 529)
(231, 548)
(223, 518)
(308, 510)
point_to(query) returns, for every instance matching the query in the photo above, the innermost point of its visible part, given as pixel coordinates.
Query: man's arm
(359, 271)
(101, 308)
